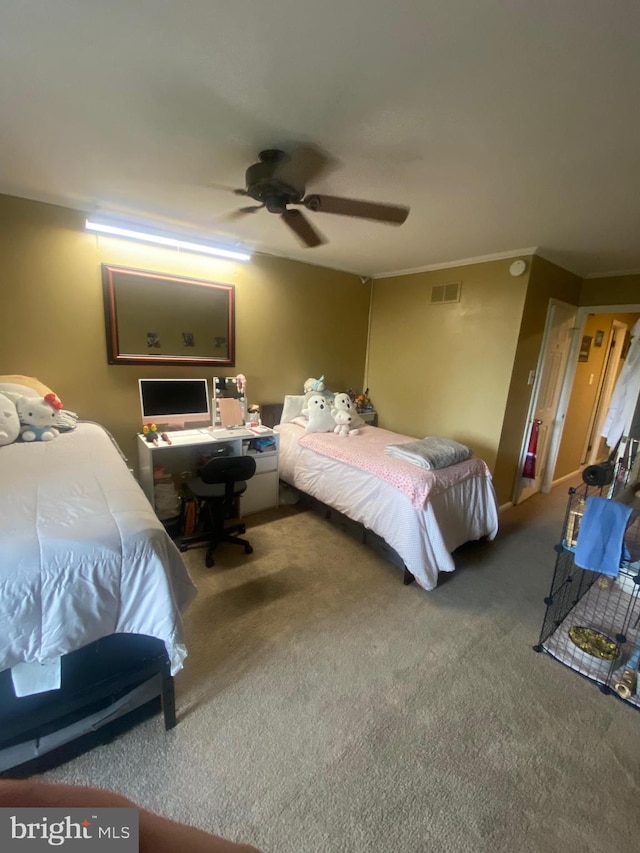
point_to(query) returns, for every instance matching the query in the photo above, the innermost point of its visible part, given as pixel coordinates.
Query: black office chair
(217, 489)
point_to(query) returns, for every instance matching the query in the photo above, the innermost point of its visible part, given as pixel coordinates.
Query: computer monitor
(174, 402)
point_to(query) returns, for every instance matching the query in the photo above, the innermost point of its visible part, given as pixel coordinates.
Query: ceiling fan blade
(302, 228)
(241, 212)
(392, 213)
(304, 164)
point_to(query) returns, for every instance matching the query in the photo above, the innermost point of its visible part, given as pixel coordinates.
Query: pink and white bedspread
(366, 451)
(423, 515)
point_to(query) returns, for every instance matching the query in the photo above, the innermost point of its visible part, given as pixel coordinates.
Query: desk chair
(216, 489)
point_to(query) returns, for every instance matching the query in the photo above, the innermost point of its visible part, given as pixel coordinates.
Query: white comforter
(82, 554)
(423, 538)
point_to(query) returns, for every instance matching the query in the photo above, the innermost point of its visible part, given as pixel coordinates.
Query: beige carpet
(326, 707)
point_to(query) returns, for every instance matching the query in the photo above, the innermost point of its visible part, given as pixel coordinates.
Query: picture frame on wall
(585, 348)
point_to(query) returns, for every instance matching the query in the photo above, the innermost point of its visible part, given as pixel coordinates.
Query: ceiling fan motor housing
(264, 186)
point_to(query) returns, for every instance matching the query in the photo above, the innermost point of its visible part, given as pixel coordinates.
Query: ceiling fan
(279, 180)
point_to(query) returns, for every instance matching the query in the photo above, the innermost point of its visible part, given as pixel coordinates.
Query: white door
(597, 447)
(546, 395)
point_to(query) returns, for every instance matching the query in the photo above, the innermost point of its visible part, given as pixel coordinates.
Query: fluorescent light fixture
(159, 240)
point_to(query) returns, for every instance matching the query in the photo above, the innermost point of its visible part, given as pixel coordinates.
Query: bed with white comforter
(445, 508)
(82, 554)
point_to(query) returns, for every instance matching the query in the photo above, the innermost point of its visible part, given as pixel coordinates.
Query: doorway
(578, 413)
(545, 399)
(595, 448)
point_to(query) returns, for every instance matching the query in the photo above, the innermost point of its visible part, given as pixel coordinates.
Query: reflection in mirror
(152, 318)
(227, 387)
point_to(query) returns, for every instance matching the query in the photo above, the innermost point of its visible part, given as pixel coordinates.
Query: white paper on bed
(82, 554)
(425, 538)
(36, 677)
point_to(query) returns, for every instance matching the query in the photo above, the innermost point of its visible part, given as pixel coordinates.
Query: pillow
(293, 406)
(26, 386)
(9, 421)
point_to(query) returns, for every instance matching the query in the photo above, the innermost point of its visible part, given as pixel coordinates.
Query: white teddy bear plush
(319, 414)
(343, 421)
(37, 416)
(342, 402)
(9, 421)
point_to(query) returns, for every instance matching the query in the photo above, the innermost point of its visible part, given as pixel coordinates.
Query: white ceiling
(503, 124)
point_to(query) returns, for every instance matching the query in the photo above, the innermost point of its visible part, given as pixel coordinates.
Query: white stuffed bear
(9, 421)
(343, 421)
(37, 416)
(319, 414)
(342, 402)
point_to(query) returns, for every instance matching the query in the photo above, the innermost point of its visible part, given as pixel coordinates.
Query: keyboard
(188, 436)
(222, 433)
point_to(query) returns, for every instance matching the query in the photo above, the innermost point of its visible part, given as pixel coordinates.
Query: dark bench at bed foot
(107, 687)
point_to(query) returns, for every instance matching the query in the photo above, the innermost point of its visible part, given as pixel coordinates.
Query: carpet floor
(324, 706)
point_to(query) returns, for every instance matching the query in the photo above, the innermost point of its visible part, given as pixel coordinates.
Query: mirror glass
(153, 318)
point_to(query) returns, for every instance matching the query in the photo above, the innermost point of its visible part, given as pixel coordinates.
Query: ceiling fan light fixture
(165, 240)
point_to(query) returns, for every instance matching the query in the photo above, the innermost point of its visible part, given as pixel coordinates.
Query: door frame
(570, 374)
(605, 391)
(553, 441)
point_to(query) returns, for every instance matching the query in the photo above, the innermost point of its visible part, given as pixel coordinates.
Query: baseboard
(502, 507)
(566, 477)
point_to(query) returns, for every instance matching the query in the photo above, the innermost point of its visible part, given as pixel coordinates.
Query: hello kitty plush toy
(37, 416)
(342, 402)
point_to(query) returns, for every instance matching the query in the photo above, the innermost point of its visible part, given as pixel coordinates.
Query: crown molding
(462, 262)
(614, 274)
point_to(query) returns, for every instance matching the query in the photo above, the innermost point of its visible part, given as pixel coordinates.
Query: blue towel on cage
(600, 546)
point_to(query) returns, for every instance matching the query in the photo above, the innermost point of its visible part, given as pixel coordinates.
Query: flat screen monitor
(174, 402)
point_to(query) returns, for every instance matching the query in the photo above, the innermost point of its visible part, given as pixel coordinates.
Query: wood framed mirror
(154, 318)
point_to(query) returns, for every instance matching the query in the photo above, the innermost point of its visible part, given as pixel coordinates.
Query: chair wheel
(248, 549)
(183, 547)
(242, 528)
(209, 562)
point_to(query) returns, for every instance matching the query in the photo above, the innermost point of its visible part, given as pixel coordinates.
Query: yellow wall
(621, 290)
(546, 281)
(445, 369)
(293, 320)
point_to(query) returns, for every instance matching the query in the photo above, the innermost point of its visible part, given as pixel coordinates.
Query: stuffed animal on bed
(314, 386)
(319, 414)
(9, 421)
(343, 422)
(37, 416)
(342, 402)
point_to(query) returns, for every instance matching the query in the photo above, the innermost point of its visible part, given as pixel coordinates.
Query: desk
(183, 460)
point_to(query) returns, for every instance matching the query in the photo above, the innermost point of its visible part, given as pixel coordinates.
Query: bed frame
(356, 530)
(104, 682)
(270, 416)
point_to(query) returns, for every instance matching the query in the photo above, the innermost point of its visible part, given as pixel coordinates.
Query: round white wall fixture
(517, 267)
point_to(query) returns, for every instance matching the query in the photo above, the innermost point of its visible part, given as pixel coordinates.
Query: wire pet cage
(592, 620)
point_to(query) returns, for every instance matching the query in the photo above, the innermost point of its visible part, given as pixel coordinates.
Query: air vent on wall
(441, 293)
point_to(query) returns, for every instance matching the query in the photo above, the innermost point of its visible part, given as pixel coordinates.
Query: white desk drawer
(266, 463)
(261, 494)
